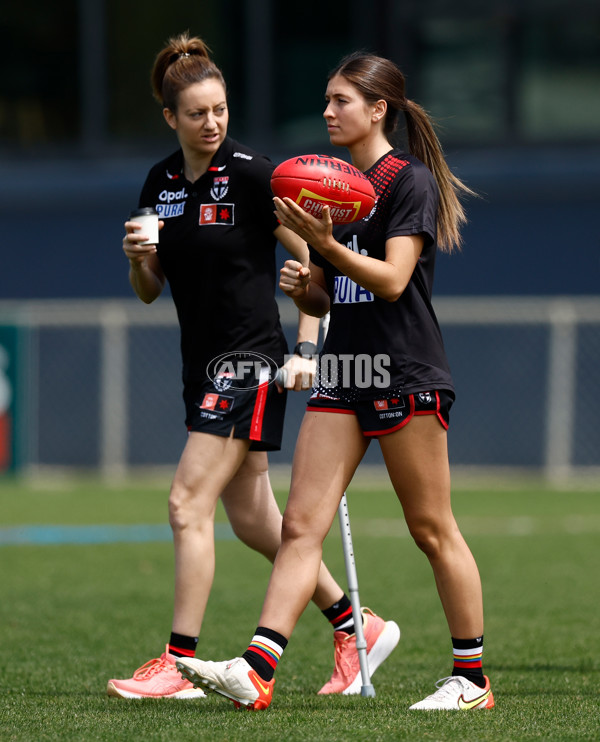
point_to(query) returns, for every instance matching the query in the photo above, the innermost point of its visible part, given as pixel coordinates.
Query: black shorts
(255, 413)
(382, 416)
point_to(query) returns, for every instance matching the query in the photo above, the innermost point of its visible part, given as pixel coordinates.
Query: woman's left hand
(294, 279)
(316, 232)
(299, 373)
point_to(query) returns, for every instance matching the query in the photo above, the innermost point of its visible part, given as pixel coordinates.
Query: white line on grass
(470, 525)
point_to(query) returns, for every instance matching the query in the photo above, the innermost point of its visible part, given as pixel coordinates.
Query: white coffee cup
(147, 217)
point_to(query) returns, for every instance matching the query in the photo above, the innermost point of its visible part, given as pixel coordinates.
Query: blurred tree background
(514, 86)
(76, 72)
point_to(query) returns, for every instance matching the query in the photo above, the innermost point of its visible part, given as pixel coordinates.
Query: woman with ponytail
(375, 277)
(217, 251)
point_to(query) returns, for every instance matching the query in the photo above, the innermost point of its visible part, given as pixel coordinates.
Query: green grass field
(73, 615)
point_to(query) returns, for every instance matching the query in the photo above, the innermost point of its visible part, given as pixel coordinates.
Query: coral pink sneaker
(158, 678)
(381, 637)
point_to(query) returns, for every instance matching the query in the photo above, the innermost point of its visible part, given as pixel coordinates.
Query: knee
(250, 527)
(296, 528)
(180, 510)
(291, 527)
(428, 536)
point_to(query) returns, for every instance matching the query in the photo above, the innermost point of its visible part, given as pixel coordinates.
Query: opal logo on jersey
(172, 203)
(170, 196)
(241, 370)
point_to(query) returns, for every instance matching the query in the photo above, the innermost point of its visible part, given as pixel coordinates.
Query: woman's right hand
(294, 279)
(145, 274)
(135, 252)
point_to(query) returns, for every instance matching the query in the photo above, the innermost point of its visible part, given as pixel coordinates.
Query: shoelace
(343, 664)
(444, 686)
(152, 667)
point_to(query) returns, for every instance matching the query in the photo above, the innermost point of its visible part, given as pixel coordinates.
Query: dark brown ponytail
(377, 78)
(424, 144)
(183, 62)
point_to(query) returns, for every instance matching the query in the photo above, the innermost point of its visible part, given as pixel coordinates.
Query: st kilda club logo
(220, 187)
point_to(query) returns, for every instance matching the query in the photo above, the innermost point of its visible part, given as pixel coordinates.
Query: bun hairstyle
(183, 62)
(377, 78)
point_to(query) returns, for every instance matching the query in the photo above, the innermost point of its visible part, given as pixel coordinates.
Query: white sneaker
(457, 694)
(234, 679)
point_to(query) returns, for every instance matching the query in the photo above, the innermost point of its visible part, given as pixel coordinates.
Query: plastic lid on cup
(144, 211)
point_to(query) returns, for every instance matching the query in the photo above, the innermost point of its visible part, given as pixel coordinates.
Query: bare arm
(308, 328)
(306, 286)
(299, 371)
(293, 243)
(385, 278)
(145, 273)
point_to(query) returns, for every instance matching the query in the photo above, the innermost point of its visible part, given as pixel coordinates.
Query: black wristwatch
(306, 349)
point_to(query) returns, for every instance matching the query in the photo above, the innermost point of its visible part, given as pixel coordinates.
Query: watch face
(305, 348)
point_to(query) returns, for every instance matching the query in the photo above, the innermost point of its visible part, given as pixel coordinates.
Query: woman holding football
(217, 251)
(390, 255)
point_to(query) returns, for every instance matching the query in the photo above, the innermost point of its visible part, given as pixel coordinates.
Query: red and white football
(314, 181)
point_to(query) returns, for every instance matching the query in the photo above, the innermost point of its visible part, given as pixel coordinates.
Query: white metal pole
(367, 688)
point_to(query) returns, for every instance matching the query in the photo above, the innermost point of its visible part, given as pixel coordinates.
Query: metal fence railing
(102, 390)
